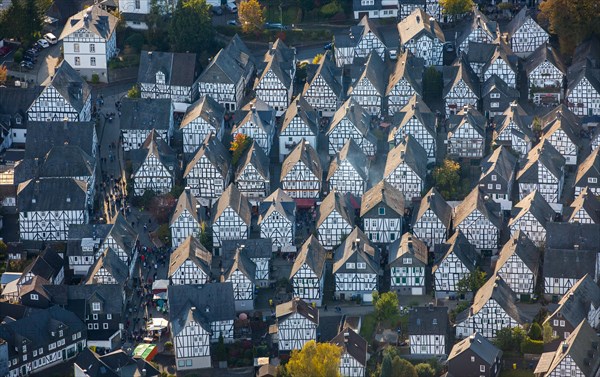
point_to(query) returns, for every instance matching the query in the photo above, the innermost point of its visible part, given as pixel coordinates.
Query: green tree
(456, 7)
(386, 367)
(134, 92)
(191, 27)
(158, 25)
(22, 20)
(205, 236)
(504, 339)
(252, 16)
(471, 282)
(221, 350)
(425, 370)
(315, 360)
(548, 333)
(238, 146)
(446, 179)
(535, 331)
(571, 21)
(386, 305)
(403, 368)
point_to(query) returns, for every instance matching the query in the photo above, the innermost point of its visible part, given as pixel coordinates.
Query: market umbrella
(145, 351)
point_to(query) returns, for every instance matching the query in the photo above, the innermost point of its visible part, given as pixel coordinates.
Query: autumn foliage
(315, 360)
(252, 16)
(239, 144)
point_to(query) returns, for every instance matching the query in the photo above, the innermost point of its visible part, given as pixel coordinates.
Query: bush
(425, 370)
(95, 78)
(18, 57)
(529, 345)
(535, 331)
(168, 346)
(331, 9)
(135, 41)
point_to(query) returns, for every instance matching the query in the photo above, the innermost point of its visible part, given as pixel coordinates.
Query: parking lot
(42, 66)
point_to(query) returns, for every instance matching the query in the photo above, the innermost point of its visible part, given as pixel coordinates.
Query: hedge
(532, 346)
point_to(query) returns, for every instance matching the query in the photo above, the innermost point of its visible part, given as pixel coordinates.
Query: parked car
(30, 58)
(36, 47)
(217, 10)
(26, 64)
(277, 26)
(232, 7)
(51, 38)
(43, 43)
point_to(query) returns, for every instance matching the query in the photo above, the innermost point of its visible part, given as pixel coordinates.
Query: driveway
(47, 60)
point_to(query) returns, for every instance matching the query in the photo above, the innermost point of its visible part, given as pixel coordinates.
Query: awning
(160, 286)
(305, 203)
(157, 324)
(145, 351)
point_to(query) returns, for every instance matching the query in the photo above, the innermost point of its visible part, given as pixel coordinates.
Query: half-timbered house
(530, 216)
(478, 217)
(123, 240)
(459, 260)
(496, 97)
(252, 175)
(241, 272)
(375, 9)
(432, 7)
(431, 220)
(501, 63)
(576, 356)
(108, 269)
(428, 330)
(139, 116)
(525, 35)
(259, 250)
(585, 209)
(301, 173)
(297, 324)
(466, 137)
(513, 130)
(228, 75)
(197, 317)
(230, 217)
(190, 263)
(277, 221)
(275, 85)
(581, 302)
(65, 96)
(48, 265)
(360, 40)
(83, 243)
(209, 172)
(479, 30)
(201, 118)
(494, 308)
(543, 170)
(407, 260)
(323, 87)
(558, 279)
(422, 35)
(404, 83)
(356, 268)
(90, 41)
(155, 166)
(416, 119)
(48, 206)
(518, 265)
(583, 89)
(335, 220)
(308, 272)
(353, 362)
(497, 177)
(588, 174)
(475, 356)
(348, 171)
(461, 87)
(185, 221)
(382, 211)
(563, 130)
(351, 121)
(168, 75)
(258, 125)
(369, 87)
(406, 168)
(546, 74)
(299, 122)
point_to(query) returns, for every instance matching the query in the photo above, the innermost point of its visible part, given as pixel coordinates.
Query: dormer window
(96, 306)
(160, 78)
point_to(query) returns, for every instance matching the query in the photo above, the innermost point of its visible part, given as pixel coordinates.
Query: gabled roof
(415, 108)
(590, 167)
(357, 32)
(428, 320)
(587, 201)
(52, 194)
(301, 109)
(535, 204)
(207, 109)
(434, 201)
(467, 117)
(230, 64)
(90, 361)
(514, 113)
(476, 201)
(94, 19)
(375, 71)
(480, 53)
(561, 118)
(542, 54)
(313, 254)
(384, 193)
(576, 304)
(462, 249)
(179, 68)
(123, 234)
(518, 20)
(358, 248)
(255, 156)
(352, 153)
(419, 23)
(579, 262)
(191, 249)
(279, 59)
(545, 154)
(497, 289)
(145, 113)
(70, 296)
(67, 160)
(296, 305)
(582, 347)
(479, 21)
(410, 68)
(42, 136)
(460, 70)
(305, 153)
(155, 146)
(113, 264)
(409, 151)
(278, 201)
(215, 152)
(496, 83)
(480, 346)
(521, 246)
(355, 114)
(241, 262)
(408, 245)
(335, 201)
(263, 119)
(585, 64)
(572, 236)
(353, 344)
(253, 248)
(233, 198)
(328, 71)
(502, 51)
(70, 85)
(188, 202)
(500, 162)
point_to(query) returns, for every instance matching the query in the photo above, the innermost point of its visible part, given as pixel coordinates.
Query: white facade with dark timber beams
(157, 170)
(231, 217)
(406, 168)
(513, 130)
(323, 89)
(301, 173)
(203, 117)
(259, 125)
(428, 330)
(359, 42)
(297, 324)
(481, 30)
(275, 85)
(348, 171)
(242, 274)
(432, 218)
(308, 272)
(466, 138)
(588, 174)
(185, 221)
(416, 119)
(546, 74)
(368, 89)
(335, 220)
(530, 216)
(563, 130)
(407, 260)
(277, 221)
(300, 122)
(463, 87)
(479, 219)
(498, 172)
(459, 261)
(382, 212)
(518, 265)
(353, 362)
(405, 82)
(524, 35)
(252, 176)
(351, 121)
(189, 263)
(422, 35)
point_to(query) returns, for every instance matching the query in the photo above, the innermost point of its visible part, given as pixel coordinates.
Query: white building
(351, 121)
(190, 263)
(275, 85)
(408, 259)
(416, 119)
(302, 174)
(524, 35)
(431, 220)
(459, 261)
(353, 362)
(422, 35)
(382, 211)
(406, 168)
(297, 324)
(277, 221)
(308, 272)
(518, 265)
(335, 220)
(428, 330)
(230, 217)
(185, 221)
(139, 116)
(348, 171)
(203, 117)
(531, 216)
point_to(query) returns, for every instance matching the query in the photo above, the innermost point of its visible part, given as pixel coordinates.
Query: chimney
(144, 372)
(418, 19)
(576, 247)
(571, 296)
(253, 108)
(431, 23)
(150, 55)
(271, 47)
(565, 346)
(187, 189)
(346, 335)
(471, 314)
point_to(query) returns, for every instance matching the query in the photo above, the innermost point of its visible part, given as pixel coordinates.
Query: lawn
(369, 324)
(516, 373)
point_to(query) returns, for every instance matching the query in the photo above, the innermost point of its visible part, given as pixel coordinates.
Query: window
(361, 265)
(61, 333)
(350, 266)
(34, 296)
(92, 47)
(188, 363)
(592, 180)
(181, 363)
(95, 317)
(494, 105)
(90, 326)
(138, 6)
(105, 326)
(76, 47)
(407, 260)
(382, 211)
(494, 177)
(482, 368)
(95, 306)
(109, 316)
(93, 61)
(494, 95)
(562, 323)
(472, 359)
(77, 60)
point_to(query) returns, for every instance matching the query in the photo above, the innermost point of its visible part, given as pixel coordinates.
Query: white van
(232, 7)
(51, 38)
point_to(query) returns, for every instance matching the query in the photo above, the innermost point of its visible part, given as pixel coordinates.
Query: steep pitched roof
(215, 152)
(589, 167)
(67, 160)
(155, 146)
(500, 162)
(352, 153)
(313, 254)
(335, 201)
(112, 263)
(542, 54)
(460, 70)
(409, 151)
(415, 108)
(479, 345)
(462, 249)
(179, 68)
(241, 262)
(410, 68)
(70, 85)
(328, 72)
(230, 64)
(191, 249)
(278, 201)
(145, 113)
(587, 201)
(354, 113)
(296, 305)
(232, 198)
(435, 201)
(188, 202)
(257, 158)
(545, 154)
(408, 245)
(576, 304)
(515, 114)
(352, 343)
(417, 23)
(535, 204)
(53, 194)
(357, 247)
(305, 153)
(521, 246)
(94, 19)
(42, 136)
(206, 108)
(496, 83)
(263, 119)
(428, 320)
(476, 200)
(280, 60)
(301, 109)
(375, 71)
(467, 117)
(123, 234)
(582, 347)
(385, 193)
(479, 21)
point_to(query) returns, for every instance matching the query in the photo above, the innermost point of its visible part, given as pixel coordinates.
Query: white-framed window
(75, 47)
(92, 47)
(109, 316)
(494, 105)
(77, 60)
(482, 368)
(382, 211)
(592, 180)
(494, 95)
(93, 61)
(96, 306)
(105, 326)
(34, 296)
